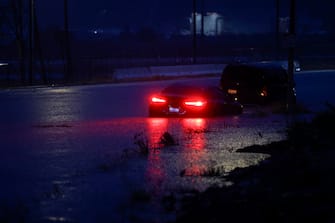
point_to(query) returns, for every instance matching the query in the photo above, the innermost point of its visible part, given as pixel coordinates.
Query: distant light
(212, 23)
(3, 64)
(95, 32)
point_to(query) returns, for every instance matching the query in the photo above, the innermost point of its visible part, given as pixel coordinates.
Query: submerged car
(191, 100)
(257, 83)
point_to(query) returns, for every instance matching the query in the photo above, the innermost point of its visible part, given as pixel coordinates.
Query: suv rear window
(254, 74)
(242, 74)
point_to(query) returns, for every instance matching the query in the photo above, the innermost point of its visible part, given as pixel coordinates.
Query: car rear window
(276, 75)
(183, 90)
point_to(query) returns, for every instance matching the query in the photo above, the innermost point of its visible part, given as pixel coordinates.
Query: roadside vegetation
(296, 184)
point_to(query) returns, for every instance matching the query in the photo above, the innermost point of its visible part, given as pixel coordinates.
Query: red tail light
(158, 100)
(195, 103)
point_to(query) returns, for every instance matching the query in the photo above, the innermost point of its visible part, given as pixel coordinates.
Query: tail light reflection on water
(155, 171)
(194, 130)
(190, 133)
(156, 128)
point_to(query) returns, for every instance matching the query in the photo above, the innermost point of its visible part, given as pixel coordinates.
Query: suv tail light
(264, 92)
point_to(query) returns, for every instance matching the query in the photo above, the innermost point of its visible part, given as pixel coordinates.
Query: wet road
(97, 102)
(80, 103)
(68, 153)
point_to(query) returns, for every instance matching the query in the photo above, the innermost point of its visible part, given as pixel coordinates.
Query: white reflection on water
(57, 105)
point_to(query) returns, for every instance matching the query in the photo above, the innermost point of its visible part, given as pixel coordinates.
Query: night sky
(172, 14)
(240, 16)
(169, 15)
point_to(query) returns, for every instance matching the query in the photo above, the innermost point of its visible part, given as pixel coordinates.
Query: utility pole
(68, 62)
(277, 28)
(194, 18)
(17, 10)
(291, 51)
(38, 49)
(31, 40)
(202, 19)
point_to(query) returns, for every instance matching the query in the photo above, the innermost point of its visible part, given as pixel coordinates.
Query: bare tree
(39, 48)
(16, 19)
(68, 64)
(15, 16)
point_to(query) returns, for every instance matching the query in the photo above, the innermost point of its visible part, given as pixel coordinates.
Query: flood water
(62, 170)
(75, 154)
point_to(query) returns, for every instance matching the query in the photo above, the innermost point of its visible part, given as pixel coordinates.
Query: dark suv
(256, 83)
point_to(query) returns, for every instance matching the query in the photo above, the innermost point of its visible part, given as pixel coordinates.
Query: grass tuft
(142, 143)
(167, 140)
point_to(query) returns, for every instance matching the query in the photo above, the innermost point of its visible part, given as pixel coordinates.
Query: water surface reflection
(203, 144)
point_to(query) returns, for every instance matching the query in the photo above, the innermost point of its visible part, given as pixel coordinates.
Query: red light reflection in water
(194, 130)
(155, 171)
(156, 128)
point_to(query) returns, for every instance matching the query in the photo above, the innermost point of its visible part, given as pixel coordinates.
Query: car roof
(266, 70)
(182, 88)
